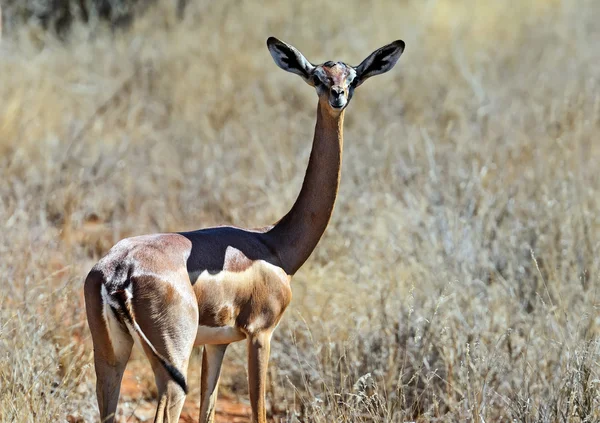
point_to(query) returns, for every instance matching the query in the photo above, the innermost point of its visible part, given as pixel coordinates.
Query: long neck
(296, 235)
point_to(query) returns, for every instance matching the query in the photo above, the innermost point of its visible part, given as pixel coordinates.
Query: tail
(120, 302)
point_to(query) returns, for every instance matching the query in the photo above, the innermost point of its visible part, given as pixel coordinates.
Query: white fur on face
(334, 79)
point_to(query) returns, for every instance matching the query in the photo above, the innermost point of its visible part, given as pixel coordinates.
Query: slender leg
(112, 348)
(108, 386)
(212, 358)
(172, 332)
(170, 395)
(259, 346)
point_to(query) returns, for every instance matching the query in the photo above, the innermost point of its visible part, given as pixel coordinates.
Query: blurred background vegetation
(59, 15)
(458, 280)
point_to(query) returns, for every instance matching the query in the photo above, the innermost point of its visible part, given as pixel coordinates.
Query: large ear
(289, 58)
(380, 61)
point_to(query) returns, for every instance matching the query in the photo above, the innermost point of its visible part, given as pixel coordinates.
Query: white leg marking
(218, 335)
(256, 324)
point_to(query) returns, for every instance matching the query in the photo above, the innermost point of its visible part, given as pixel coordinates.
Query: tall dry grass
(458, 280)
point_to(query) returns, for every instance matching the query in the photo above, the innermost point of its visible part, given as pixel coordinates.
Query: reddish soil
(228, 409)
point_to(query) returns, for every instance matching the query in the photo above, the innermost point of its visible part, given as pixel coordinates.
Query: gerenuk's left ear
(380, 61)
(288, 58)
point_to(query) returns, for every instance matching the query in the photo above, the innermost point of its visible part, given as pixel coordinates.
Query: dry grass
(458, 280)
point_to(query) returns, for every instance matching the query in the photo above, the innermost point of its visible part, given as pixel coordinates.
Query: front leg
(259, 346)
(212, 358)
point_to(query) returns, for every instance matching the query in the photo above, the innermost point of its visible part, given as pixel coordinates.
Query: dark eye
(316, 81)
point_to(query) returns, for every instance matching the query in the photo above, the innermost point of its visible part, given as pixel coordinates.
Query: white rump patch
(121, 343)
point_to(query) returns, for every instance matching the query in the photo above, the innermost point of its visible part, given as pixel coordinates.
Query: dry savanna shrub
(58, 16)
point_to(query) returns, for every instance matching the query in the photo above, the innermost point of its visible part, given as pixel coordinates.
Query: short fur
(220, 285)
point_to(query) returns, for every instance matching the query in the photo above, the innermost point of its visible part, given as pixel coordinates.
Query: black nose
(337, 91)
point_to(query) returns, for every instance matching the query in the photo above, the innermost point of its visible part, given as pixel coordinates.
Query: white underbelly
(218, 335)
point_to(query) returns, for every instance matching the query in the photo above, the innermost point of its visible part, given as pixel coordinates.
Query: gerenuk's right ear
(289, 58)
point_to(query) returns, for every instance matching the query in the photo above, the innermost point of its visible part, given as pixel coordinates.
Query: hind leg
(177, 347)
(170, 324)
(112, 348)
(108, 386)
(170, 395)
